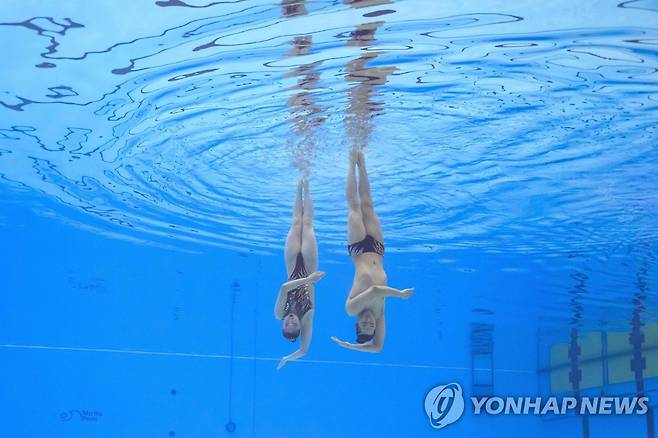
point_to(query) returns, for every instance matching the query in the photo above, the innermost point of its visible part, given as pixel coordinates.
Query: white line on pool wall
(271, 359)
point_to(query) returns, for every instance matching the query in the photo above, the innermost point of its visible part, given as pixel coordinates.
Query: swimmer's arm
(375, 345)
(290, 285)
(392, 292)
(355, 305)
(306, 335)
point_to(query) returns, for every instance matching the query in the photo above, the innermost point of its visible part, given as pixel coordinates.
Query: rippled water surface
(511, 145)
(489, 129)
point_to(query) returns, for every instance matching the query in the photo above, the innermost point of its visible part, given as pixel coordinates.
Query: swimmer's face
(291, 326)
(367, 322)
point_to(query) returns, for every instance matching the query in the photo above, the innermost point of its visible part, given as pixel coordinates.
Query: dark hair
(291, 336)
(362, 338)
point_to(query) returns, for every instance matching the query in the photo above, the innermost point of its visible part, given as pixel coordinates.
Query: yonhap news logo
(444, 404)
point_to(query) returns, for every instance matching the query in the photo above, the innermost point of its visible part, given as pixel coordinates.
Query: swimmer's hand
(294, 356)
(405, 293)
(342, 343)
(316, 276)
(368, 347)
(283, 363)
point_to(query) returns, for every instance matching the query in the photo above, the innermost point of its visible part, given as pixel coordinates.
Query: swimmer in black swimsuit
(366, 246)
(295, 303)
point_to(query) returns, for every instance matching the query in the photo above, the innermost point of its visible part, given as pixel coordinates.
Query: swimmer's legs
(370, 219)
(309, 242)
(294, 239)
(356, 229)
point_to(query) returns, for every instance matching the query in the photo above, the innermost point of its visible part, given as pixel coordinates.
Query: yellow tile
(650, 335)
(590, 356)
(590, 345)
(619, 358)
(620, 353)
(651, 357)
(560, 370)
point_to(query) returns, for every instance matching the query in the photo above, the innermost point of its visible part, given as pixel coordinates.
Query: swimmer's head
(291, 327)
(365, 326)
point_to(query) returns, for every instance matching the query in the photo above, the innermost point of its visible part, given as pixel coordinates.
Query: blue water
(149, 155)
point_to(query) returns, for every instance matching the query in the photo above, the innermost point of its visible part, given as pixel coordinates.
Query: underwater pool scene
(160, 161)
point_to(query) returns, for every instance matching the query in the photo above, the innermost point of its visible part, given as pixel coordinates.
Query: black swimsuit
(368, 244)
(298, 300)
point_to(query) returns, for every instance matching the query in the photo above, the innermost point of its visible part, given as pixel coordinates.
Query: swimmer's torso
(369, 271)
(299, 301)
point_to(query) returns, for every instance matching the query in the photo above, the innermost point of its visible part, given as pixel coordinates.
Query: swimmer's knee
(296, 222)
(355, 214)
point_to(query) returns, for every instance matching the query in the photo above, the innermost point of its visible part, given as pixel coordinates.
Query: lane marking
(252, 358)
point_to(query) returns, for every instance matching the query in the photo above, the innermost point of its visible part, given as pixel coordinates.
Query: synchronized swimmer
(366, 246)
(295, 302)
